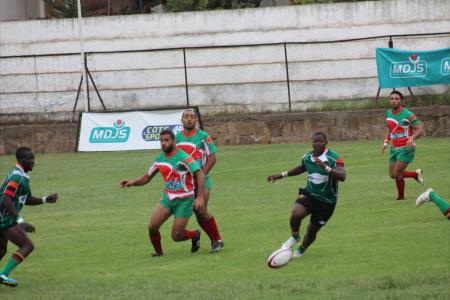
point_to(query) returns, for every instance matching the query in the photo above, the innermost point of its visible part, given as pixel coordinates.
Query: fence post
(87, 83)
(185, 77)
(287, 76)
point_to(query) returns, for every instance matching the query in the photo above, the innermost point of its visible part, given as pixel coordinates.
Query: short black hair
(397, 93)
(323, 135)
(21, 151)
(189, 110)
(169, 132)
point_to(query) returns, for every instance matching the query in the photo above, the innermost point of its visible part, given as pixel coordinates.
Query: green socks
(440, 202)
(13, 261)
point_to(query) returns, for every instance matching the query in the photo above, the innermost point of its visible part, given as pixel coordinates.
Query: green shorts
(403, 154)
(179, 207)
(208, 182)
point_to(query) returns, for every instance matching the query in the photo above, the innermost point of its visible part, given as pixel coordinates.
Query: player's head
(25, 157)
(319, 142)
(395, 98)
(189, 119)
(167, 140)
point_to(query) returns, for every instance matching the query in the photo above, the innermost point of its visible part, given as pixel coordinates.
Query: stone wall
(53, 133)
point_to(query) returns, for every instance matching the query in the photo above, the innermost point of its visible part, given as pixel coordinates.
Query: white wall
(244, 77)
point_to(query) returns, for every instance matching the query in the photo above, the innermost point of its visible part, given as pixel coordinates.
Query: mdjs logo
(119, 133)
(411, 68)
(151, 133)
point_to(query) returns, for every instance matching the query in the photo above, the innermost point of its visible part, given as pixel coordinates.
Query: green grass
(93, 243)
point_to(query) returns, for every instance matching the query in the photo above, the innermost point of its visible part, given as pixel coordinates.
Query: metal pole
(82, 61)
(185, 77)
(287, 77)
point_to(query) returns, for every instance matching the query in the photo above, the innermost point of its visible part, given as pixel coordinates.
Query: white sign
(126, 131)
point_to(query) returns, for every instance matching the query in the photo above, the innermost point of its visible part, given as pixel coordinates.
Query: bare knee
(152, 229)
(27, 248)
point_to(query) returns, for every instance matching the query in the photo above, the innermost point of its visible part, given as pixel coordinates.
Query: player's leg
(396, 171)
(182, 212)
(441, 203)
(159, 216)
(3, 244)
(320, 214)
(300, 210)
(18, 237)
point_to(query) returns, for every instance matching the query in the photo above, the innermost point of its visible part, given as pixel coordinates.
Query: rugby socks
(156, 242)
(410, 174)
(210, 227)
(15, 259)
(296, 235)
(400, 183)
(301, 249)
(440, 202)
(188, 234)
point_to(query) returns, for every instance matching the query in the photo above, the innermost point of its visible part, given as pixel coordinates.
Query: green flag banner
(398, 68)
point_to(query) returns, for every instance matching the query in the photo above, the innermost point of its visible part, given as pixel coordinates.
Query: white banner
(126, 131)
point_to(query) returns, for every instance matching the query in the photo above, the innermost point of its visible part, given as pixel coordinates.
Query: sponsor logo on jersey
(413, 67)
(119, 133)
(151, 133)
(174, 185)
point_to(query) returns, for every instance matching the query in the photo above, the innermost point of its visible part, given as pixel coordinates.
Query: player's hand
(126, 183)
(273, 178)
(27, 227)
(410, 142)
(383, 147)
(319, 162)
(199, 203)
(52, 198)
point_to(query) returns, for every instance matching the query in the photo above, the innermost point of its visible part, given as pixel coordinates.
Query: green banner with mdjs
(398, 68)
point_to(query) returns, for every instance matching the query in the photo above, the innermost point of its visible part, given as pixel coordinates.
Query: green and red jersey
(17, 186)
(197, 144)
(400, 124)
(177, 170)
(320, 184)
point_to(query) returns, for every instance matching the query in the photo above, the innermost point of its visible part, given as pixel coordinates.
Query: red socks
(210, 227)
(188, 234)
(400, 188)
(410, 174)
(156, 242)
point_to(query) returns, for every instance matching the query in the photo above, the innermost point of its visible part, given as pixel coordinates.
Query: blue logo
(151, 132)
(117, 134)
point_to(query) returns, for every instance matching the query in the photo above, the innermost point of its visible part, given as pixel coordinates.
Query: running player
(403, 129)
(178, 170)
(200, 146)
(318, 199)
(430, 195)
(15, 193)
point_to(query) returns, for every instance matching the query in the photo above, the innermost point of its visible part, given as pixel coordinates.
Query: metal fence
(246, 78)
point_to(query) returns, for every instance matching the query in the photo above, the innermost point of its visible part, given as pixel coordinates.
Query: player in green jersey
(403, 129)
(318, 199)
(15, 193)
(178, 170)
(200, 146)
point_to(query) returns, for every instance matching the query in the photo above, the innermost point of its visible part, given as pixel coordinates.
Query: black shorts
(320, 211)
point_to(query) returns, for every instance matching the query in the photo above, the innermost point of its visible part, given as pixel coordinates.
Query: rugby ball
(279, 258)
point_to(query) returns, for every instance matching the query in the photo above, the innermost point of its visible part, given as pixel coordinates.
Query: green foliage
(93, 243)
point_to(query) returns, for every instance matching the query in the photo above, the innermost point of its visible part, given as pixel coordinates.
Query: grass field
(93, 243)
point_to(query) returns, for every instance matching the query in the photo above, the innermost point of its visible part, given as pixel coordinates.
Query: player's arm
(386, 140)
(337, 172)
(31, 200)
(199, 203)
(212, 158)
(8, 205)
(418, 131)
(293, 172)
(144, 179)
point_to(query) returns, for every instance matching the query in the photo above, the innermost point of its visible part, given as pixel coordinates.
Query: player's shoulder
(332, 154)
(180, 152)
(307, 154)
(201, 133)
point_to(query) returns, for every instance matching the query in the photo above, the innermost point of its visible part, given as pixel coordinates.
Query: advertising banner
(398, 68)
(126, 131)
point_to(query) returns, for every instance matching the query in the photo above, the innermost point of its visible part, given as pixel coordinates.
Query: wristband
(20, 220)
(44, 199)
(284, 174)
(327, 169)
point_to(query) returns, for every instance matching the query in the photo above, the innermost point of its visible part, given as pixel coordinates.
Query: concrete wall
(11, 10)
(51, 133)
(243, 79)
